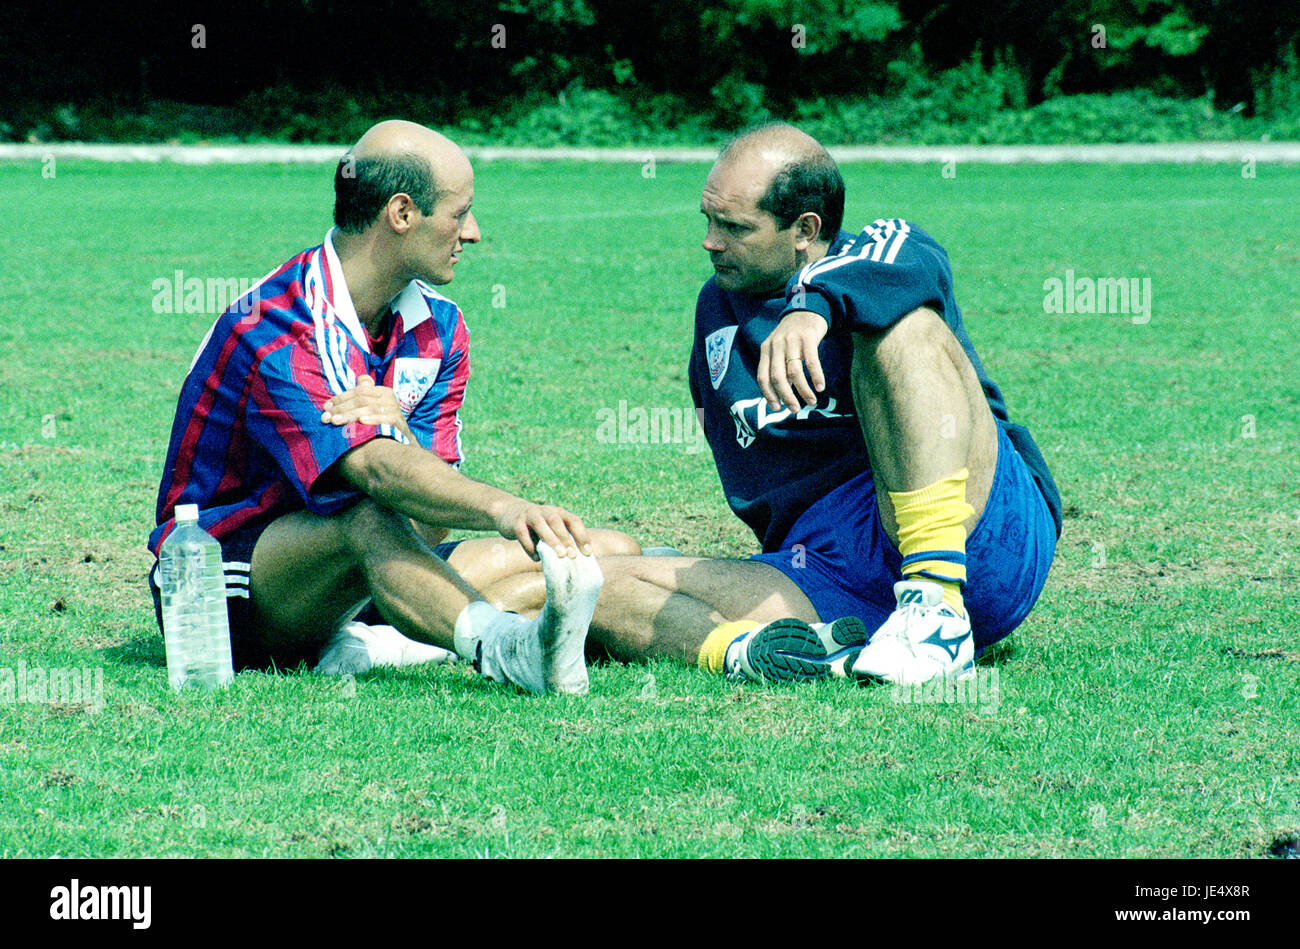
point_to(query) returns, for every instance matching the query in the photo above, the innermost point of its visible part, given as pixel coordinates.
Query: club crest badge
(412, 379)
(717, 351)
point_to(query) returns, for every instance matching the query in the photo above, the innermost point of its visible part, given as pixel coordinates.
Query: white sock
(543, 654)
(572, 588)
(474, 622)
(504, 647)
(388, 647)
(358, 647)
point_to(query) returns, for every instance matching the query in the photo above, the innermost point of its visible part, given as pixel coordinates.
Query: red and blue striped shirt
(248, 444)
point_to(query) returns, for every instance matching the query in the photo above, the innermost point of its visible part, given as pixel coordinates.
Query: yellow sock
(714, 648)
(932, 534)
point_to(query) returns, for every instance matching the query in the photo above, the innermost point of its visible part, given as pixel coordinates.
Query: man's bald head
(779, 142)
(393, 157)
(799, 175)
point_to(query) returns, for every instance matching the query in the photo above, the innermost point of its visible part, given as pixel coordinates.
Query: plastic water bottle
(196, 627)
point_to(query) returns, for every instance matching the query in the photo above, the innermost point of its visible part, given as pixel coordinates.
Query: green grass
(1147, 707)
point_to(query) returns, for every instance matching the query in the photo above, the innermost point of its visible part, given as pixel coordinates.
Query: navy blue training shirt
(775, 464)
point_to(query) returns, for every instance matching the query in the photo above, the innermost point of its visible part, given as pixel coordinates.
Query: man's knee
(607, 543)
(304, 576)
(921, 336)
(368, 527)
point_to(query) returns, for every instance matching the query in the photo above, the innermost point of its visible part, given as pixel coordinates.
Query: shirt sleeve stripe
(881, 241)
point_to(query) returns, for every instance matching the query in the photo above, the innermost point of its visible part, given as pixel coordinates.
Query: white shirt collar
(344, 308)
(410, 302)
(412, 306)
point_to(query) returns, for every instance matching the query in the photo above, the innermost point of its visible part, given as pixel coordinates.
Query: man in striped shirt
(318, 433)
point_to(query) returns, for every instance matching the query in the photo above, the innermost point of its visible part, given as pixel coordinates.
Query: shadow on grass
(149, 651)
(1000, 653)
(142, 651)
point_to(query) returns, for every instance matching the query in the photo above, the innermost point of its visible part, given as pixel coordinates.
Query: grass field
(1149, 706)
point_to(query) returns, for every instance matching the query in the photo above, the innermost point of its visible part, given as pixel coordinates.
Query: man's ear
(400, 212)
(807, 230)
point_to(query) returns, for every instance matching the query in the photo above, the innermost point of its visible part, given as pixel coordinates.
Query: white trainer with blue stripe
(923, 639)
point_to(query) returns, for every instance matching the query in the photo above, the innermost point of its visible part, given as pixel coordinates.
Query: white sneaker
(546, 654)
(358, 647)
(923, 638)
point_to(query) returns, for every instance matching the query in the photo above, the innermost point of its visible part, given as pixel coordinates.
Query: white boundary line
(1178, 153)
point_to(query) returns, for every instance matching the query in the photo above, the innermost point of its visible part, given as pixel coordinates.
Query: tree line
(730, 58)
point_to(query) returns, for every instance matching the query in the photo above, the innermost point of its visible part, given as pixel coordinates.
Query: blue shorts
(839, 555)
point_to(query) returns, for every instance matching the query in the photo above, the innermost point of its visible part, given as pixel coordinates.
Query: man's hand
(368, 404)
(415, 482)
(523, 521)
(792, 345)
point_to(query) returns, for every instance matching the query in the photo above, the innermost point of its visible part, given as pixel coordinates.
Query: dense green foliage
(948, 110)
(1149, 706)
(610, 72)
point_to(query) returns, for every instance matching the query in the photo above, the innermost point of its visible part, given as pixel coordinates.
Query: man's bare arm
(417, 483)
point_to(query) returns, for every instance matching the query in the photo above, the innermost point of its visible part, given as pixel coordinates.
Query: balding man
(317, 433)
(856, 433)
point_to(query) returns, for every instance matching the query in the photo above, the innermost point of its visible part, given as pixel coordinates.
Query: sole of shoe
(955, 674)
(791, 650)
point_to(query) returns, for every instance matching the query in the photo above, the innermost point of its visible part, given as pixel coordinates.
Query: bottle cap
(187, 512)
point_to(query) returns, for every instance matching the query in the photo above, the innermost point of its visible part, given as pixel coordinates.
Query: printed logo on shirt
(412, 378)
(744, 410)
(717, 350)
(744, 434)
